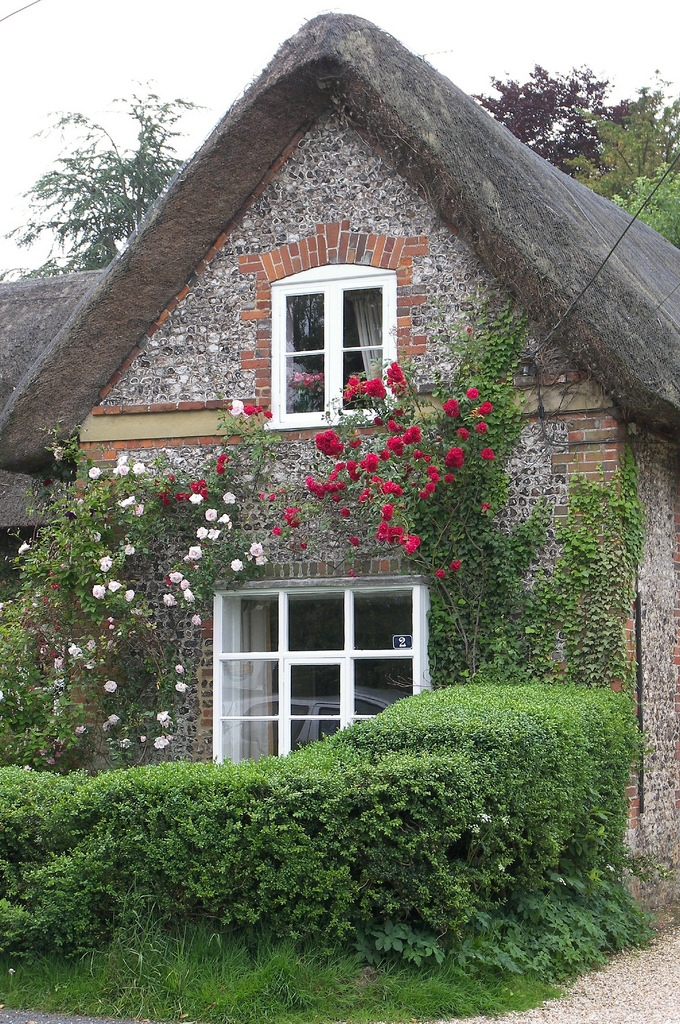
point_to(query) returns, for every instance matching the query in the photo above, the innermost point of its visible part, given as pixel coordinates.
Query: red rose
(449, 478)
(455, 566)
(463, 434)
(487, 453)
(345, 513)
(440, 574)
(451, 408)
(485, 408)
(329, 443)
(277, 531)
(370, 463)
(354, 541)
(375, 388)
(481, 428)
(396, 379)
(472, 393)
(455, 458)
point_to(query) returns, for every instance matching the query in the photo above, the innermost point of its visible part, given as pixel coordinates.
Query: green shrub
(559, 760)
(428, 814)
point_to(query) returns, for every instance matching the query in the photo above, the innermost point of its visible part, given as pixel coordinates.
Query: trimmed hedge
(438, 806)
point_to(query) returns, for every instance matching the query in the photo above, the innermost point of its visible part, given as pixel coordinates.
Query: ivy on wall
(591, 592)
(571, 624)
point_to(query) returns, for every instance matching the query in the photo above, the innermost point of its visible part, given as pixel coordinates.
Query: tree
(636, 146)
(556, 115)
(96, 195)
(662, 212)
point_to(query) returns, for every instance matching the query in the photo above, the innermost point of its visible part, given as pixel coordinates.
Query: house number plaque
(402, 642)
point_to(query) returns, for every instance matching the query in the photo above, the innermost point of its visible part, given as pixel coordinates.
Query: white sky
(78, 55)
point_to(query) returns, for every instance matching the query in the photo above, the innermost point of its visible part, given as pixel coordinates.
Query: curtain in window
(367, 306)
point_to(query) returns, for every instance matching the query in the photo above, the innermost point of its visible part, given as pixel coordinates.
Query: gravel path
(642, 987)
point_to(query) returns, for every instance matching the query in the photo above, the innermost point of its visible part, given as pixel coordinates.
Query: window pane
(362, 325)
(241, 740)
(250, 688)
(378, 682)
(308, 730)
(380, 616)
(355, 363)
(250, 624)
(304, 323)
(305, 383)
(312, 685)
(316, 622)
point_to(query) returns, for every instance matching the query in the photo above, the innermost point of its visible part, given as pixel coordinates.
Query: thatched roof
(538, 231)
(31, 313)
(17, 495)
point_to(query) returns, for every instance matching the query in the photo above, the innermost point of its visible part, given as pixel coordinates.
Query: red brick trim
(336, 243)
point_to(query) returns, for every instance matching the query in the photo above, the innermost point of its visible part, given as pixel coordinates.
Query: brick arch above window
(332, 244)
(336, 243)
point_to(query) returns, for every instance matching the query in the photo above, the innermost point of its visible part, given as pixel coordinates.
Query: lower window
(295, 664)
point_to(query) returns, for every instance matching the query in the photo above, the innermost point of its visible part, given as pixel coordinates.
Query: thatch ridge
(541, 233)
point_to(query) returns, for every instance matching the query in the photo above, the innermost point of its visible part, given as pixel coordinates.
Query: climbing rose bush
(94, 648)
(402, 471)
(422, 478)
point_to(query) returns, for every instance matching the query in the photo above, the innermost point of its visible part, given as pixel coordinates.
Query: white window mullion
(333, 344)
(421, 671)
(284, 676)
(217, 679)
(347, 689)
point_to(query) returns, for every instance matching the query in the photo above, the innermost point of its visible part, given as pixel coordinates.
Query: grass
(202, 975)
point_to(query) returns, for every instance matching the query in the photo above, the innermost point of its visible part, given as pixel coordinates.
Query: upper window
(328, 324)
(295, 664)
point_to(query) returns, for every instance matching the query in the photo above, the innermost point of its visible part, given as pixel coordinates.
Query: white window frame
(345, 657)
(331, 281)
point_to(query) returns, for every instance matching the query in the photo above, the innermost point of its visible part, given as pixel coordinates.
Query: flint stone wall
(658, 831)
(333, 175)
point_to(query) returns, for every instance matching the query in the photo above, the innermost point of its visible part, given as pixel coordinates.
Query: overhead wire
(19, 10)
(611, 252)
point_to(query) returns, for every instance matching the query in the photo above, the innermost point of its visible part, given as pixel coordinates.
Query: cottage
(357, 190)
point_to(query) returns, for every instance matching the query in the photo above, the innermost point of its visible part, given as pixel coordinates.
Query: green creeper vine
(571, 625)
(591, 592)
